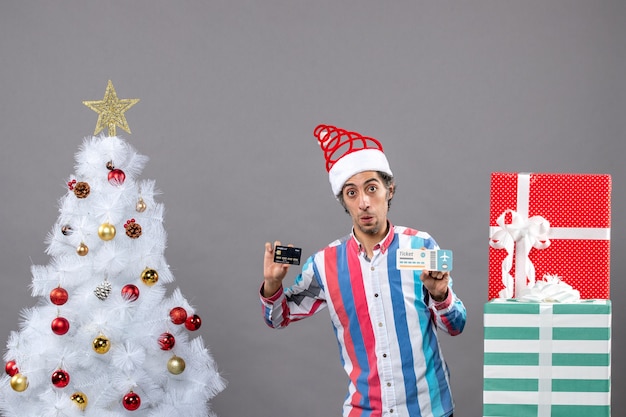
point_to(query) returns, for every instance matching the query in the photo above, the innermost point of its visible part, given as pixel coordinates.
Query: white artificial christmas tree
(105, 338)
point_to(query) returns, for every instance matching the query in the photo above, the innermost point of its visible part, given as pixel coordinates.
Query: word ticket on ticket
(428, 259)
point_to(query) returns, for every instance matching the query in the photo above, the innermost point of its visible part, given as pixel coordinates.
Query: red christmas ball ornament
(58, 296)
(166, 341)
(131, 401)
(60, 326)
(11, 368)
(116, 177)
(193, 322)
(60, 378)
(130, 292)
(178, 315)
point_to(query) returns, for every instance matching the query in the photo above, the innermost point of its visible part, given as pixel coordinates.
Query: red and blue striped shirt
(385, 323)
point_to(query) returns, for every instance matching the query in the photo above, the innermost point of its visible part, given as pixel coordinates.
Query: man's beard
(370, 230)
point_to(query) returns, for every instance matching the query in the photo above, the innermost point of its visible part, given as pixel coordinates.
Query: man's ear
(391, 190)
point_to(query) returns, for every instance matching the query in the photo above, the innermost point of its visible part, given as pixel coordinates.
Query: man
(385, 319)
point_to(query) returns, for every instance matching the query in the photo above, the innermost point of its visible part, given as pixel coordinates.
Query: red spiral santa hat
(348, 153)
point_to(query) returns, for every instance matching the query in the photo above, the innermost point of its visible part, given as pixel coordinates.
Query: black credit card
(287, 255)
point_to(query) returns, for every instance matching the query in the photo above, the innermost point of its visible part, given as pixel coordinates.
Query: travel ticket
(428, 259)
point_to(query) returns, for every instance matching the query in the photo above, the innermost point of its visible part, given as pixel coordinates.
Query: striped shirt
(385, 323)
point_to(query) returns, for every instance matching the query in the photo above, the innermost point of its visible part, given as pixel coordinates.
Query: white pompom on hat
(349, 153)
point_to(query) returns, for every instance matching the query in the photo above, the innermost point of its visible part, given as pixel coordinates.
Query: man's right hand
(273, 273)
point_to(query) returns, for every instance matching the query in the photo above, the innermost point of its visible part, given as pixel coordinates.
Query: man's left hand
(436, 282)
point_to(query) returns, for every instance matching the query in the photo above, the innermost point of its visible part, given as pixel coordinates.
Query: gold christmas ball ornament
(19, 382)
(106, 231)
(82, 249)
(101, 344)
(176, 365)
(141, 205)
(149, 277)
(80, 399)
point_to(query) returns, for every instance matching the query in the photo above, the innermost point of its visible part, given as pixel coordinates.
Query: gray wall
(230, 93)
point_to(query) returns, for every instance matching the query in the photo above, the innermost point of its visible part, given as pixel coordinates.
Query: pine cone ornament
(133, 230)
(103, 290)
(81, 189)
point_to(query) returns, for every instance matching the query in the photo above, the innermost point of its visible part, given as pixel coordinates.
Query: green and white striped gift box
(547, 359)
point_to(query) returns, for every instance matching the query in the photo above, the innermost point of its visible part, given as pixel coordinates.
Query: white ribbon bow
(550, 290)
(525, 233)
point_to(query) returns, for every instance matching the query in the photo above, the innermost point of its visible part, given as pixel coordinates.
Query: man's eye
(372, 188)
(350, 193)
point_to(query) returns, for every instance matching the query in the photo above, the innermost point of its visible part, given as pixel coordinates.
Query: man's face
(366, 200)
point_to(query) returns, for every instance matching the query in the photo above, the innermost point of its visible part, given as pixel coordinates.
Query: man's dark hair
(388, 182)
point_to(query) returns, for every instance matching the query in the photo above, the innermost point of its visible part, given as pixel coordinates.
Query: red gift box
(555, 224)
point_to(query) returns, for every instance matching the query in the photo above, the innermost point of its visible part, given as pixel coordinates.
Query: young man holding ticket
(384, 299)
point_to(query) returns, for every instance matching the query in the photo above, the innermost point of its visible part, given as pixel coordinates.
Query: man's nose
(364, 202)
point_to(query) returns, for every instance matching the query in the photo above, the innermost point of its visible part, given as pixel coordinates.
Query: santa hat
(348, 153)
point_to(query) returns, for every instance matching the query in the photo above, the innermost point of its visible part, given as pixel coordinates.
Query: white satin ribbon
(544, 388)
(525, 233)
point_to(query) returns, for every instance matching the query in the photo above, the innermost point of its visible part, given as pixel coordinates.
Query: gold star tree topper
(111, 111)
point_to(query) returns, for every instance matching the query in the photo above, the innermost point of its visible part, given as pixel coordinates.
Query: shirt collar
(383, 245)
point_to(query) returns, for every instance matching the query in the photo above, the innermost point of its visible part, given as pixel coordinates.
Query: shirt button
(376, 295)
(391, 410)
(384, 355)
(372, 268)
(388, 384)
(380, 325)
